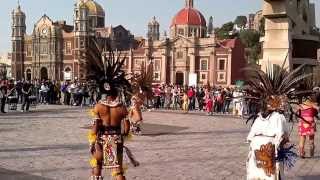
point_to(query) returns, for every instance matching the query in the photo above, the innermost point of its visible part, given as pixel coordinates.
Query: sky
(132, 14)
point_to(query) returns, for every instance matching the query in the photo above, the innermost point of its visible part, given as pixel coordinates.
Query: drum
(12, 102)
(33, 101)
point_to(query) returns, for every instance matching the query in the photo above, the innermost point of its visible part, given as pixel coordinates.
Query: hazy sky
(132, 14)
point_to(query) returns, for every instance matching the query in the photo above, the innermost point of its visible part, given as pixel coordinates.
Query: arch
(44, 73)
(67, 73)
(28, 74)
(179, 78)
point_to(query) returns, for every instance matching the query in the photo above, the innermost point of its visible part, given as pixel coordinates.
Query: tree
(251, 39)
(224, 31)
(241, 21)
(262, 26)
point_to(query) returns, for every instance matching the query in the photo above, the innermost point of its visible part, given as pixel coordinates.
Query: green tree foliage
(224, 31)
(251, 39)
(241, 21)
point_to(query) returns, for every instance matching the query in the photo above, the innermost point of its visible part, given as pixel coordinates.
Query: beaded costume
(110, 116)
(269, 148)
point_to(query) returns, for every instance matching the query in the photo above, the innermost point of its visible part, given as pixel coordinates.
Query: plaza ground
(51, 143)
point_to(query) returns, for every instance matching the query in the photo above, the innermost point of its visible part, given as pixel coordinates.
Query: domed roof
(189, 16)
(93, 7)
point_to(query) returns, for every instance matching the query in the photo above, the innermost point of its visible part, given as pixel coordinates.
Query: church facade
(191, 55)
(52, 50)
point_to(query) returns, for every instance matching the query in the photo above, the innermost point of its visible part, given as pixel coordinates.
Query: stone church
(191, 55)
(53, 49)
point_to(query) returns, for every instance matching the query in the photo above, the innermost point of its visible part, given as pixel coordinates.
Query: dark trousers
(3, 104)
(26, 103)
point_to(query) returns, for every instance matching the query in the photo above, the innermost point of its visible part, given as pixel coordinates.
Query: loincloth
(112, 146)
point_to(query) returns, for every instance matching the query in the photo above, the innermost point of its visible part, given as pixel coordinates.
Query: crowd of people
(204, 98)
(171, 97)
(46, 92)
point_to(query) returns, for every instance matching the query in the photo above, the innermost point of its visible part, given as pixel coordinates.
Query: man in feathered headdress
(269, 136)
(142, 89)
(110, 123)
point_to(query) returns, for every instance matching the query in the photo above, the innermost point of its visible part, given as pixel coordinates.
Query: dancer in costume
(307, 111)
(269, 137)
(142, 89)
(110, 124)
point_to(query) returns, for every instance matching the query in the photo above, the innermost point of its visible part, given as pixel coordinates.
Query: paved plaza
(51, 143)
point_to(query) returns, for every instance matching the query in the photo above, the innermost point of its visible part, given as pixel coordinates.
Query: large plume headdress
(142, 83)
(276, 87)
(106, 68)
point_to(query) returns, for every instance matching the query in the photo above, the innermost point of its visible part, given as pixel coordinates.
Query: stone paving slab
(50, 143)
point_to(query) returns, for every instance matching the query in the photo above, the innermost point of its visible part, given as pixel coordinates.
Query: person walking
(26, 92)
(307, 125)
(3, 95)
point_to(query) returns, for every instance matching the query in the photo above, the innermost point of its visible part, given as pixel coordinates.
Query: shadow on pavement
(45, 148)
(6, 174)
(311, 177)
(158, 130)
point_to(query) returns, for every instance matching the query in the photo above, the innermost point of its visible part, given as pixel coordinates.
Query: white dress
(264, 131)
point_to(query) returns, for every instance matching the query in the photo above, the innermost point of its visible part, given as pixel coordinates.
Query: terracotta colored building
(191, 55)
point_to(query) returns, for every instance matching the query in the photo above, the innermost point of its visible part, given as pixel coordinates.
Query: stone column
(229, 70)
(172, 70)
(192, 64)
(186, 78)
(212, 69)
(163, 67)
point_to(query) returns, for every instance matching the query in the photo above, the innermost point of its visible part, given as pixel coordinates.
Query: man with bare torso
(109, 127)
(135, 114)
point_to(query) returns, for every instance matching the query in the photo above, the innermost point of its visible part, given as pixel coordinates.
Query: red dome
(189, 16)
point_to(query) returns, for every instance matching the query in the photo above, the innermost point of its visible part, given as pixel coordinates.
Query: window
(203, 76)
(157, 65)
(43, 49)
(156, 76)
(221, 64)
(221, 77)
(180, 31)
(81, 43)
(179, 55)
(29, 50)
(68, 48)
(204, 65)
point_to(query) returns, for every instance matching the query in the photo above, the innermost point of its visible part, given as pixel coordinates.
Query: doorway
(44, 73)
(179, 78)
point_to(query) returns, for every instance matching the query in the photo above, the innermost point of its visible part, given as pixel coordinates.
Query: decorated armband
(94, 115)
(92, 137)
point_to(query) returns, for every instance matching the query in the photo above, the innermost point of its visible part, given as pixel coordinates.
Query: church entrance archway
(28, 74)
(44, 73)
(179, 78)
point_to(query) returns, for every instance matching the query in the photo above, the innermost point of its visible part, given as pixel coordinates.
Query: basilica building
(191, 55)
(52, 50)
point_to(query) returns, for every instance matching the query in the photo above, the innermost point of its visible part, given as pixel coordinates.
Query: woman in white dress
(269, 149)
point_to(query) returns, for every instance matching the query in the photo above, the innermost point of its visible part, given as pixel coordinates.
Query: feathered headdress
(142, 83)
(276, 87)
(103, 67)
